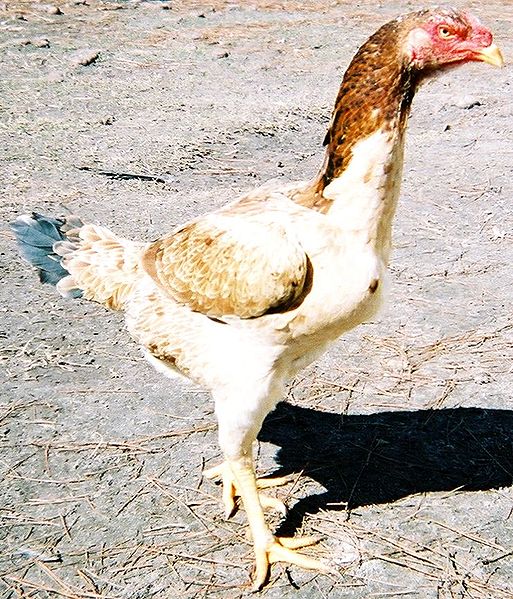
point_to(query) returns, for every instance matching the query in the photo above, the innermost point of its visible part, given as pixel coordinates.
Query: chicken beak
(492, 55)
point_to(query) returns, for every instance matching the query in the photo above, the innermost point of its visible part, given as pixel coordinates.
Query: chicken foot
(231, 490)
(268, 548)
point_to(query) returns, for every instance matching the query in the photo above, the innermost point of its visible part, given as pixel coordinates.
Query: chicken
(240, 299)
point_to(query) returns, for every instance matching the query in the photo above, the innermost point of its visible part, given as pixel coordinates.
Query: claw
(272, 503)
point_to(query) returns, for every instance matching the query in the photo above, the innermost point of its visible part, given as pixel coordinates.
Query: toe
(215, 471)
(279, 553)
(272, 503)
(274, 481)
(261, 569)
(229, 494)
(297, 542)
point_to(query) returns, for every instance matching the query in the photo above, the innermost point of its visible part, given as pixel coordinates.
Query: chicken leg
(268, 548)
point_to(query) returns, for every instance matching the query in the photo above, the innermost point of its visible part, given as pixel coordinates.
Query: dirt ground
(401, 436)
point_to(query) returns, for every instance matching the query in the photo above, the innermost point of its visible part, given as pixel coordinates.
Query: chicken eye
(445, 33)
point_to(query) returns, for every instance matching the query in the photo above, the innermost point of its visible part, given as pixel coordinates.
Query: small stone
(84, 57)
(108, 120)
(112, 6)
(466, 102)
(50, 9)
(40, 42)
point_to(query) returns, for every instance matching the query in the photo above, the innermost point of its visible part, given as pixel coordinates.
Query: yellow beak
(491, 55)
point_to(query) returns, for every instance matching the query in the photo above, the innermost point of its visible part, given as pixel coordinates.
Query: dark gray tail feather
(36, 236)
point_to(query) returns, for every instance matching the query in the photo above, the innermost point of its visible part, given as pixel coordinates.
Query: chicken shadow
(379, 458)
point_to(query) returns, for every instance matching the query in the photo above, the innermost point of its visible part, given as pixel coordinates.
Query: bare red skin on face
(448, 40)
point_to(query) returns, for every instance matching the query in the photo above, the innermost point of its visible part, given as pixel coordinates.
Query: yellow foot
(230, 490)
(282, 549)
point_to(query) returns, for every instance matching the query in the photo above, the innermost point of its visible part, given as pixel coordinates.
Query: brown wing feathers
(224, 266)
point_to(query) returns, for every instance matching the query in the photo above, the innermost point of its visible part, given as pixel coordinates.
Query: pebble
(38, 42)
(108, 7)
(50, 9)
(466, 102)
(84, 57)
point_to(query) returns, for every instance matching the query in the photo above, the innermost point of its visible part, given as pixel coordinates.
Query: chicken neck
(359, 181)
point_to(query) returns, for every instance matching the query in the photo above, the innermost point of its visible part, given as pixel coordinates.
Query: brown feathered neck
(375, 94)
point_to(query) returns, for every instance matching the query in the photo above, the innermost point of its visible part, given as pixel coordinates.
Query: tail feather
(36, 236)
(80, 260)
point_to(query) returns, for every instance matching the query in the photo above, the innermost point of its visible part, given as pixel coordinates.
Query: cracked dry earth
(401, 436)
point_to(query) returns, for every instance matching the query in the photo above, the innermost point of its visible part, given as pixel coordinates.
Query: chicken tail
(79, 260)
(36, 236)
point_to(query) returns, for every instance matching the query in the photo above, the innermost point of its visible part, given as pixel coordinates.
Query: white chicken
(242, 298)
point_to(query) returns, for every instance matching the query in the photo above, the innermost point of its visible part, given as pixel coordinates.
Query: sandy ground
(403, 432)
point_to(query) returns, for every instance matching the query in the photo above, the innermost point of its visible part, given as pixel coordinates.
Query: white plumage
(241, 299)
